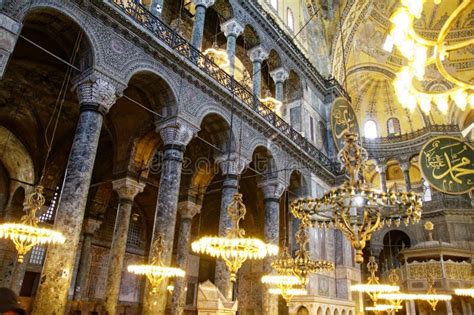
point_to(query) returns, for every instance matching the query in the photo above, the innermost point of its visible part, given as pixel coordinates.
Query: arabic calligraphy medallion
(343, 120)
(447, 163)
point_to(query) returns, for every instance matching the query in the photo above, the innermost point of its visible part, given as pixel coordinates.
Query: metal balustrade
(164, 33)
(413, 135)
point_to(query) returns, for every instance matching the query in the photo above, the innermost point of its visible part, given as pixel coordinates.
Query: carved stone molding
(258, 54)
(90, 225)
(188, 209)
(97, 91)
(232, 28)
(176, 131)
(233, 165)
(127, 188)
(272, 188)
(204, 3)
(279, 75)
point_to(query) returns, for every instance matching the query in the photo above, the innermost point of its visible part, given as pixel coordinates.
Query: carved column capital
(204, 3)
(188, 209)
(90, 226)
(232, 28)
(405, 166)
(233, 165)
(279, 75)
(258, 54)
(176, 131)
(272, 188)
(381, 168)
(127, 188)
(97, 92)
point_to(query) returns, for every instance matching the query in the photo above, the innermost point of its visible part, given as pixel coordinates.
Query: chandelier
(421, 53)
(234, 248)
(383, 308)
(156, 271)
(218, 56)
(26, 234)
(465, 292)
(301, 265)
(271, 103)
(431, 296)
(373, 287)
(286, 285)
(355, 208)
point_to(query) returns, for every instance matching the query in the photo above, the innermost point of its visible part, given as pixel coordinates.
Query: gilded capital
(188, 209)
(96, 91)
(279, 75)
(127, 188)
(90, 225)
(176, 131)
(233, 164)
(232, 28)
(272, 188)
(258, 54)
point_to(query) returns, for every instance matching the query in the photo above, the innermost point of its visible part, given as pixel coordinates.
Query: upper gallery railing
(413, 135)
(167, 35)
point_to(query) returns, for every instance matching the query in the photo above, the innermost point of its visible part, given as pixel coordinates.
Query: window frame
(376, 129)
(289, 13)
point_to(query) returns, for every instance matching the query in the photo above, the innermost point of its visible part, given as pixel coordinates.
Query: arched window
(393, 126)
(290, 19)
(274, 4)
(370, 129)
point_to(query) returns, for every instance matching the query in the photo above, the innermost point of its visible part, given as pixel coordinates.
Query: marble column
(199, 19)
(187, 210)
(257, 55)
(382, 169)
(405, 166)
(279, 76)
(176, 134)
(412, 307)
(232, 29)
(272, 191)
(89, 228)
(449, 308)
(231, 169)
(126, 188)
(10, 30)
(96, 97)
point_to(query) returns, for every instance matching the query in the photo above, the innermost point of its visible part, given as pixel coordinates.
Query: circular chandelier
(286, 285)
(26, 234)
(234, 248)
(373, 288)
(156, 271)
(355, 208)
(421, 53)
(301, 265)
(218, 56)
(383, 308)
(465, 292)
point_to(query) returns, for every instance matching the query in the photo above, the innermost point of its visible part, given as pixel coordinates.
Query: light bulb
(460, 99)
(425, 103)
(407, 48)
(398, 36)
(470, 99)
(411, 102)
(414, 6)
(388, 44)
(442, 104)
(402, 19)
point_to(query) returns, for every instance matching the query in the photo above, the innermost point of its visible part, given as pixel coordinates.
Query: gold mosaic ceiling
(370, 69)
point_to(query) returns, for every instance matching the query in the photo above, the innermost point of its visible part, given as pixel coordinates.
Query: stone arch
(264, 162)
(328, 311)
(336, 312)
(18, 161)
(251, 37)
(319, 311)
(351, 313)
(293, 87)
(216, 127)
(224, 8)
(343, 312)
(272, 63)
(302, 310)
(377, 240)
(52, 15)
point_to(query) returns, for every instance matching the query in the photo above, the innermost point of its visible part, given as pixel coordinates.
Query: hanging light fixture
(383, 308)
(289, 293)
(270, 102)
(396, 298)
(431, 296)
(285, 285)
(27, 234)
(301, 265)
(465, 292)
(355, 208)
(234, 248)
(373, 288)
(156, 271)
(416, 49)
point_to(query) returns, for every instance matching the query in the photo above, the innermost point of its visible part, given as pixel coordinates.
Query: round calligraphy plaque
(447, 163)
(343, 120)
